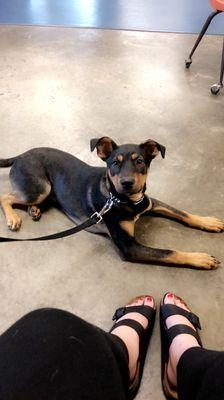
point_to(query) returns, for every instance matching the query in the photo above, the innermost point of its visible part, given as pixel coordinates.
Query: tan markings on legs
(168, 212)
(196, 260)
(211, 224)
(13, 220)
(129, 226)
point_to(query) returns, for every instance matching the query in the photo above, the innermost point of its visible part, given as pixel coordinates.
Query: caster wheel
(215, 89)
(188, 63)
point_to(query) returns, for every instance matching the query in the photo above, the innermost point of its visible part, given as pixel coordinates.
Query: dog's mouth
(130, 191)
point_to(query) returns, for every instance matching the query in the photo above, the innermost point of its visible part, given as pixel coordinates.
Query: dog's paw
(212, 224)
(203, 260)
(14, 222)
(34, 213)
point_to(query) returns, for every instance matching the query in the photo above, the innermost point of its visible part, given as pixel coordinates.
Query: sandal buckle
(118, 313)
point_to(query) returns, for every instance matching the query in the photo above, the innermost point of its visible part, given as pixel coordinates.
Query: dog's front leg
(122, 234)
(211, 224)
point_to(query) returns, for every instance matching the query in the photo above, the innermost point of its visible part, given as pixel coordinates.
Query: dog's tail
(7, 162)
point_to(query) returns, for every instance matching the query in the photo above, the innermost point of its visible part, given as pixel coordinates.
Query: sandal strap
(170, 309)
(144, 310)
(132, 324)
(178, 330)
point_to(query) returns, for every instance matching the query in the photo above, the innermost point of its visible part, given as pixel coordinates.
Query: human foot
(183, 341)
(140, 311)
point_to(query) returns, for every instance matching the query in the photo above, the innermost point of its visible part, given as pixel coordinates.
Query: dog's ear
(153, 148)
(104, 145)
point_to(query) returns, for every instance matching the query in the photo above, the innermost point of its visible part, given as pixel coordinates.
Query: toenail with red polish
(170, 295)
(149, 298)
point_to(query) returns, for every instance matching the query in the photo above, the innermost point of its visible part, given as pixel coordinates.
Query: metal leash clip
(107, 206)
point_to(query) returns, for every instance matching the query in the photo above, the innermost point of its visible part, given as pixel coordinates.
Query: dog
(80, 190)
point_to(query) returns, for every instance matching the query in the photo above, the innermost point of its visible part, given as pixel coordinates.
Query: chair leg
(200, 36)
(222, 67)
(215, 89)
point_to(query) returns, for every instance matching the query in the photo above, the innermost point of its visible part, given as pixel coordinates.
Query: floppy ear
(104, 145)
(153, 148)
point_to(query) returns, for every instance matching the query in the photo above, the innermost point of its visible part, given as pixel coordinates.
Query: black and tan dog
(80, 190)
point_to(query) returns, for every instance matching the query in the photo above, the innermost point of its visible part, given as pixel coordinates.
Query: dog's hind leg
(7, 201)
(34, 212)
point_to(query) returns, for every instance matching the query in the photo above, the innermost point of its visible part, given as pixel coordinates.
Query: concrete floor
(60, 87)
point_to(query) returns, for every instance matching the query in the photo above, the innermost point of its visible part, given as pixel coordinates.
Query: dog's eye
(140, 161)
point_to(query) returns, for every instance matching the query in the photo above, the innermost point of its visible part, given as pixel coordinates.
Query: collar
(124, 200)
(137, 207)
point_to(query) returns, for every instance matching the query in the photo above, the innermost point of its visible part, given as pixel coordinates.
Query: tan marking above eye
(120, 157)
(134, 156)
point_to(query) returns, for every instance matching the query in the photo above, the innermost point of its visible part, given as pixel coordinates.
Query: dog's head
(128, 164)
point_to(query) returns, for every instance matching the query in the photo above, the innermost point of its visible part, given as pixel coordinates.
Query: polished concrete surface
(145, 15)
(61, 87)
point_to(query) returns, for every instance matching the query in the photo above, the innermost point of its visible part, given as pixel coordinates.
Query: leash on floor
(94, 219)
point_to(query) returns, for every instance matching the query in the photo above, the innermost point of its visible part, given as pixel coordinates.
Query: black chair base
(215, 89)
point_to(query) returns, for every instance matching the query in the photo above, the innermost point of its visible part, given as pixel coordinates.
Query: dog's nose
(127, 183)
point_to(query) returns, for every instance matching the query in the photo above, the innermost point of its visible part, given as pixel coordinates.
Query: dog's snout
(127, 183)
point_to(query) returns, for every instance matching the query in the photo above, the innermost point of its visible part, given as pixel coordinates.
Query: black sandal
(144, 337)
(167, 336)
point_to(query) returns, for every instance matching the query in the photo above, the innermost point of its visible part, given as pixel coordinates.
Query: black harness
(136, 207)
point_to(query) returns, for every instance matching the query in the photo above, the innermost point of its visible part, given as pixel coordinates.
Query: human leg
(200, 375)
(192, 373)
(134, 325)
(52, 354)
